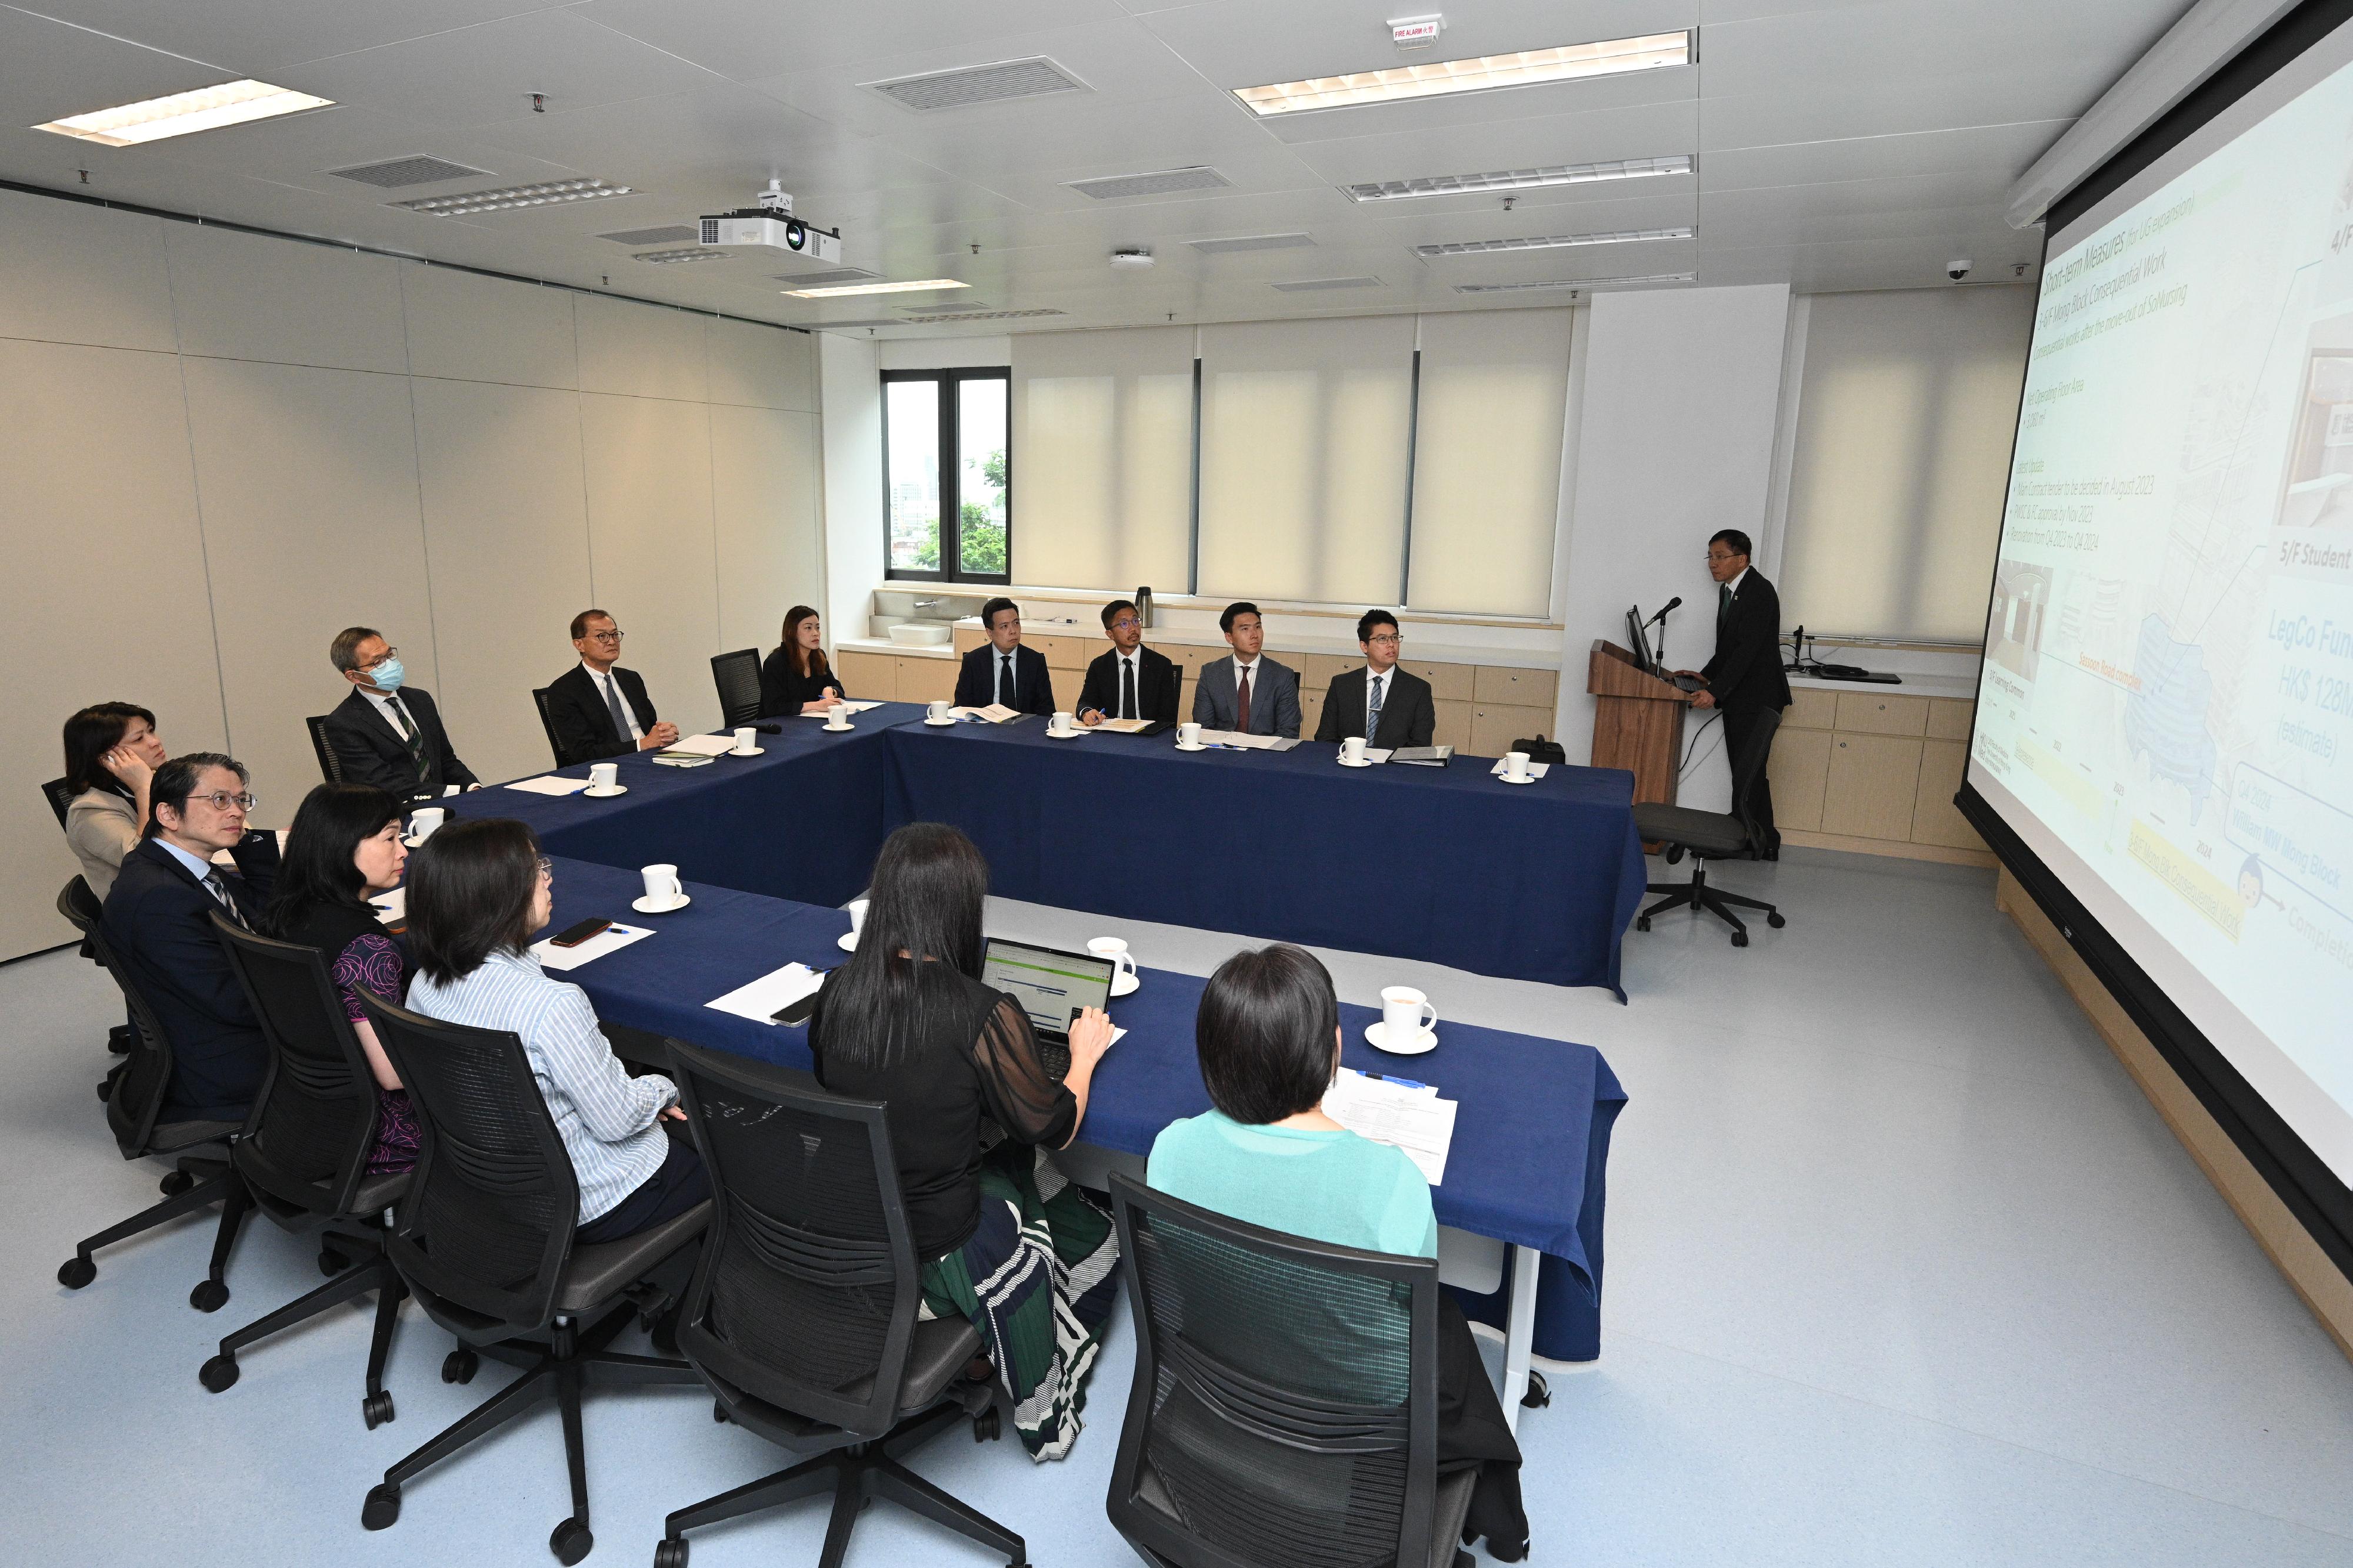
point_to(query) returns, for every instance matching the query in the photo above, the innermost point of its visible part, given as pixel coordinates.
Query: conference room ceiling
(1840, 144)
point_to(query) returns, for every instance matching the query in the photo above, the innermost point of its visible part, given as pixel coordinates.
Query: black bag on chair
(1542, 750)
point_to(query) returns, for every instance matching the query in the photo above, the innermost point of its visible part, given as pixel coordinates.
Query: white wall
(216, 450)
(852, 386)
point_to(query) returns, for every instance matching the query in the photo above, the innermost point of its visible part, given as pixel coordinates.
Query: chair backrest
(1756, 747)
(58, 797)
(138, 1094)
(737, 675)
(492, 1204)
(313, 1124)
(806, 1293)
(1285, 1404)
(547, 725)
(330, 765)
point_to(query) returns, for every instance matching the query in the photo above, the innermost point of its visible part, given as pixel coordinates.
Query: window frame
(950, 381)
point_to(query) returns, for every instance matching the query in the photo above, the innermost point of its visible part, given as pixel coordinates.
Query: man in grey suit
(1254, 695)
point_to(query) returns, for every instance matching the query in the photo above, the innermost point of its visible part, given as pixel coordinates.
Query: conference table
(1527, 1166)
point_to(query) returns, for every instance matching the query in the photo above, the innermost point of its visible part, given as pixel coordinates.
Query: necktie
(219, 890)
(613, 706)
(1127, 688)
(408, 733)
(1242, 699)
(1723, 603)
(1373, 709)
(1005, 679)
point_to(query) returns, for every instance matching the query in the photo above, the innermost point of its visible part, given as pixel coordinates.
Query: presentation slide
(2166, 713)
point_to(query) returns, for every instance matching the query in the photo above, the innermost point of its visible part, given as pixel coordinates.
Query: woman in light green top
(1269, 1037)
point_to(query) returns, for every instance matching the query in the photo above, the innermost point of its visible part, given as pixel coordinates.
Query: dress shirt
(201, 870)
(614, 698)
(403, 725)
(1732, 588)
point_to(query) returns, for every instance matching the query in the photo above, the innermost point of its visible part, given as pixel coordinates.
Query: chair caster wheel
(218, 1374)
(382, 1510)
(332, 1262)
(209, 1296)
(460, 1365)
(376, 1409)
(570, 1541)
(1776, 920)
(987, 1426)
(76, 1272)
(1538, 1395)
(1740, 939)
(719, 1413)
(175, 1183)
(1642, 922)
(670, 1553)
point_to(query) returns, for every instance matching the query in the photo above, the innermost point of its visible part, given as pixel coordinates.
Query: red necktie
(1241, 701)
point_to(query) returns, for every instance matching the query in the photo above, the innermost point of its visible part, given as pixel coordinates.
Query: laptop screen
(1051, 987)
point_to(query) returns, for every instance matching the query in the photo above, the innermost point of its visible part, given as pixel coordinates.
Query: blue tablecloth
(1534, 882)
(1532, 1137)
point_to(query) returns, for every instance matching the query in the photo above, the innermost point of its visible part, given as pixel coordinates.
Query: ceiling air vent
(823, 280)
(1251, 242)
(967, 85)
(1160, 183)
(396, 173)
(853, 326)
(1308, 284)
(669, 234)
(988, 316)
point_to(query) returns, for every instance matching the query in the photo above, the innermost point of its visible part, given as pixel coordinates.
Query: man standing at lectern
(1744, 677)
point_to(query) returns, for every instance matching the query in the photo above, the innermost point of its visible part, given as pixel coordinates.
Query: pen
(1401, 1082)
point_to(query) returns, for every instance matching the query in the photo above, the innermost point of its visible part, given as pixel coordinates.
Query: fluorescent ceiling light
(549, 194)
(184, 113)
(1517, 179)
(1568, 62)
(836, 293)
(1550, 241)
(1577, 283)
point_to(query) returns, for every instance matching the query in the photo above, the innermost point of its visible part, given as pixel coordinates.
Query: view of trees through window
(949, 519)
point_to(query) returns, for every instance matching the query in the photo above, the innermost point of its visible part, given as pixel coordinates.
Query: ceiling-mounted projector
(771, 224)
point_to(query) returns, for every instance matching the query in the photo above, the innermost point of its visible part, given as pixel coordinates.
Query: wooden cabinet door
(1447, 682)
(1934, 818)
(1494, 726)
(1498, 683)
(1810, 708)
(1800, 768)
(1871, 714)
(1949, 719)
(1311, 713)
(1873, 784)
(1454, 726)
(869, 677)
(926, 679)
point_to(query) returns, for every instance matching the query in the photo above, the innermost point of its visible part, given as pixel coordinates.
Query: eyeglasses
(1125, 624)
(1386, 639)
(221, 800)
(605, 637)
(546, 867)
(1720, 556)
(390, 653)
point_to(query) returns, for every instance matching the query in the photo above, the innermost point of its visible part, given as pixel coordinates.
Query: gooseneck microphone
(1662, 616)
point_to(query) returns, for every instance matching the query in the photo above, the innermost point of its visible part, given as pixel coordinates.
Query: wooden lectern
(1638, 722)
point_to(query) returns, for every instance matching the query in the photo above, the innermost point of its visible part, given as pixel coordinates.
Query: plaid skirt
(1037, 1279)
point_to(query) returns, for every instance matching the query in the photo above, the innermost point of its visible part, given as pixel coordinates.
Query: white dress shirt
(385, 702)
(605, 683)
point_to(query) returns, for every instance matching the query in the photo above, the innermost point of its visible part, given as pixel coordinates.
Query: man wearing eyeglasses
(596, 709)
(159, 922)
(1745, 680)
(1388, 706)
(387, 732)
(1131, 681)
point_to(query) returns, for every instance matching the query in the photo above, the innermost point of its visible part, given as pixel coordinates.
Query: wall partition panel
(122, 296)
(639, 350)
(466, 327)
(1304, 458)
(249, 296)
(653, 551)
(760, 368)
(1492, 400)
(1103, 422)
(766, 497)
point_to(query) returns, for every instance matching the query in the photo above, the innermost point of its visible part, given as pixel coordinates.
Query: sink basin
(919, 634)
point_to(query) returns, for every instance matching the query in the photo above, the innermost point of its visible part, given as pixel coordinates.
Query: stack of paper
(995, 713)
(771, 994)
(612, 939)
(548, 783)
(703, 745)
(1408, 1117)
(1125, 726)
(844, 707)
(1247, 743)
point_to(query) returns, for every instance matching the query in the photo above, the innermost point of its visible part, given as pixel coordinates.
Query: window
(947, 520)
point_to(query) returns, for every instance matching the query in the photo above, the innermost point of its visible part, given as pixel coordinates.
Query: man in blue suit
(1001, 669)
(1247, 692)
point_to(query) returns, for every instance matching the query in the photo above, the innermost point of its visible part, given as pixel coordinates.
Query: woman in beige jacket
(111, 755)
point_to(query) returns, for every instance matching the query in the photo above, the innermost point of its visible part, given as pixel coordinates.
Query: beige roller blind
(1906, 414)
(1487, 468)
(1304, 431)
(1102, 454)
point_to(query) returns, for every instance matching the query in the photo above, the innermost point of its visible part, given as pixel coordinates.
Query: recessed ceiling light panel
(824, 279)
(1529, 67)
(1310, 285)
(1517, 179)
(838, 291)
(1251, 242)
(1159, 183)
(967, 85)
(1577, 283)
(184, 113)
(985, 316)
(1550, 241)
(679, 257)
(551, 193)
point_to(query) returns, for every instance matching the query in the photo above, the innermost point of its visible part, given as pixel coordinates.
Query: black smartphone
(795, 1012)
(574, 935)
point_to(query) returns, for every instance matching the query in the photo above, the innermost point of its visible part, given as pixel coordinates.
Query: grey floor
(1902, 1269)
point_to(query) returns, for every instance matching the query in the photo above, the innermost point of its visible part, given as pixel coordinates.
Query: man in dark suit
(386, 732)
(1388, 706)
(1131, 681)
(1745, 680)
(1001, 669)
(598, 709)
(1248, 692)
(158, 920)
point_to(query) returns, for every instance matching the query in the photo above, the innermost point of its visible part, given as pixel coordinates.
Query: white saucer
(1510, 780)
(413, 843)
(1197, 746)
(847, 942)
(755, 751)
(843, 730)
(1126, 984)
(1359, 762)
(647, 907)
(1065, 734)
(593, 793)
(1377, 1037)
(942, 723)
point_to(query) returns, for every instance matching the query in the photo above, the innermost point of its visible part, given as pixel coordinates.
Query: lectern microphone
(1662, 616)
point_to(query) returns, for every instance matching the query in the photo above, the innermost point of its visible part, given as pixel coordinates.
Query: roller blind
(1304, 431)
(1906, 407)
(1103, 436)
(1486, 475)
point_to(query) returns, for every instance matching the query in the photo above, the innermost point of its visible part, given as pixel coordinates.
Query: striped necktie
(408, 730)
(613, 706)
(219, 890)
(1373, 709)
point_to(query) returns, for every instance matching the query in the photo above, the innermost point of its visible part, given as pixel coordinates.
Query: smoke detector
(1134, 259)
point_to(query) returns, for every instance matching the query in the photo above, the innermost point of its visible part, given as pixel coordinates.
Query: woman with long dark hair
(111, 755)
(344, 847)
(907, 1021)
(796, 678)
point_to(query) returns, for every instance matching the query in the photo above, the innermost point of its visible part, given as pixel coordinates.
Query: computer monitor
(1638, 638)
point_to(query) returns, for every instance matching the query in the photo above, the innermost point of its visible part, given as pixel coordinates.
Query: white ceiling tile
(257, 35)
(1638, 130)
(49, 70)
(1421, 116)
(751, 38)
(1998, 150)
(1174, 132)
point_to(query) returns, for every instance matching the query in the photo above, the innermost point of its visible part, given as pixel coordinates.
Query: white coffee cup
(1115, 949)
(836, 718)
(936, 711)
(663, 891)
(747, 741)
(425, 821)
(1516, 764)
(1060, 723)
(858, 915)
(1405, 1013)
(603, 776)
(1353, 749)
(1188, 734)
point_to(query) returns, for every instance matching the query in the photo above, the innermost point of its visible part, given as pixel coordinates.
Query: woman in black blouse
(796, 678)
(908, 1022)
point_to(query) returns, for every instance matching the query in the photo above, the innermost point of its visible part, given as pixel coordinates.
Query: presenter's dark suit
(584, 726)
(1157, 681)
(372, 753)
(1033, 687)
(1275, 698)
(158, 917)
(1746, 679)
(1409, 712)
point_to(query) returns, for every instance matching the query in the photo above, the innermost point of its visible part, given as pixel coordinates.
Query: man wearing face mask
(387, 732)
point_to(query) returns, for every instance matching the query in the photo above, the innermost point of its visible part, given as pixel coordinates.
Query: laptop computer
(1638, 632)
(1052, 987)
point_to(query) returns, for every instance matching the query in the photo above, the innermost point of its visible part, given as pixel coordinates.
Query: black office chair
(737, 675)
(330, 765)
(58, 797)
(1285, 1403)
(802, 1314)
(201, 1172)
(547, 725)
(1707, 836)
(304, 1151)
(484, 1242)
